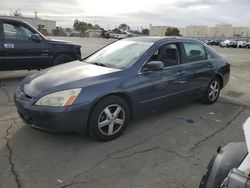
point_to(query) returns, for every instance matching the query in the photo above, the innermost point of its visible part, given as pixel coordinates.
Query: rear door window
(195, 52)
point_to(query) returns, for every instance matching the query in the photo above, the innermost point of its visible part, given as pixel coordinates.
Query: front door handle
(9, 45)
(210, 65)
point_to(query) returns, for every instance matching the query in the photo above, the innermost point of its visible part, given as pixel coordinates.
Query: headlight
(61, 98)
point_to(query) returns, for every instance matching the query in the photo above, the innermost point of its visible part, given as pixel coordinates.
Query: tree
(17, 13)
(58, 31)
(117, 31)
(68, 30)
(172, 31)
(124, 27)
(96, 26)
(145, 32)
(82, 27)
(76, 25)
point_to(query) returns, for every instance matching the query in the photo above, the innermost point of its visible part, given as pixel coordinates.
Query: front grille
(22, 96)
(25, 96)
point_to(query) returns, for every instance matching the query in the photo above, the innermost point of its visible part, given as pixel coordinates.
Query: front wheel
(109, 118)
(212, 92)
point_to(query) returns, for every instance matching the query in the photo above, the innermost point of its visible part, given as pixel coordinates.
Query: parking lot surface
(170, 147)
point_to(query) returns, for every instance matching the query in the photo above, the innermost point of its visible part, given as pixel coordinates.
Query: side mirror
(35, 37)
(154, 66)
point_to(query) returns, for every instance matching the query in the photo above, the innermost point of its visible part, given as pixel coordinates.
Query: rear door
(198, 68)
(1, 47)
(20, 52)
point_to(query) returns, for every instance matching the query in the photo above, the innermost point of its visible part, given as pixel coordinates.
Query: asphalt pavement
(170, 147)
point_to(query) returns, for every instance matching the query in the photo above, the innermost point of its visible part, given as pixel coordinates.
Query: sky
(136, 13)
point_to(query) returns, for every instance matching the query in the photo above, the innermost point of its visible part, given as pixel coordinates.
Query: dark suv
(23, 47)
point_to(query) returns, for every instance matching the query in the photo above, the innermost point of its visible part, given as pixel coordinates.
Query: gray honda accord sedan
(100, 94)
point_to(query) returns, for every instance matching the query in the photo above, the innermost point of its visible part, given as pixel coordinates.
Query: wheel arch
(220, 77)
(227, 158)
(122, 95)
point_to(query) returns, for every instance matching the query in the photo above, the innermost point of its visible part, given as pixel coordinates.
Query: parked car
(113, 35)
(122, 36)
(229, 43)
(212, 42)
(122, 80)
(230, 168)
(242, 44)
(217, 42)
(248, 45)
(23, 47)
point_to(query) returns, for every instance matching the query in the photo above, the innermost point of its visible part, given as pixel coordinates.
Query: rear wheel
(60, 59)
(109, 118)
(212, 92)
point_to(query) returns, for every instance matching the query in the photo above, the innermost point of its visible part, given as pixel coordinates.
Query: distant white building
(157, 30)
(93, 33)
(219, 30)
(48, 25)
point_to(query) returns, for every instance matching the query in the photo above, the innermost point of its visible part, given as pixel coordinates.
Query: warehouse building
(36, 22)
(220, 30)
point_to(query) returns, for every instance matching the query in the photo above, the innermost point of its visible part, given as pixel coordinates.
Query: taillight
(228, 66)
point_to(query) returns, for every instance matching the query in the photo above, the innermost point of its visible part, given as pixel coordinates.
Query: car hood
(55, 41)
(66, 76)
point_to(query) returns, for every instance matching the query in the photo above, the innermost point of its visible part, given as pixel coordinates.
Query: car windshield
(120, 55)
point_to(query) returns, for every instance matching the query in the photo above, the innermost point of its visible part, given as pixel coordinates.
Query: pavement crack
(7, 94)
(2, 104)
(76, 183)
(178, 154)
(135, 153)
(10, 156)
(142, 141)
(109, 156)
(218, 131)
(152, 149)
(85, 182)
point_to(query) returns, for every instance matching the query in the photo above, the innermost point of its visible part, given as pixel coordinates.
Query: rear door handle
(179, 73)
(9, 45)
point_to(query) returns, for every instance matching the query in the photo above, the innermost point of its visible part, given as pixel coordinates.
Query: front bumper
(55, 119)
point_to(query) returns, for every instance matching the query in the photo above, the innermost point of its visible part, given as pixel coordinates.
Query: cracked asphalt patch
(159, 149)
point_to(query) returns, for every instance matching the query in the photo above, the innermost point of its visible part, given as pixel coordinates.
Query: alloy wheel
(111, 119)
(214, 90)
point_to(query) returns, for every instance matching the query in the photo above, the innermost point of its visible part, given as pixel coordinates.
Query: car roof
(156, 39)
(12, 20)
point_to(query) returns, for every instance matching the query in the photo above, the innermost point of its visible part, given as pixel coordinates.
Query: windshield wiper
(99, 64)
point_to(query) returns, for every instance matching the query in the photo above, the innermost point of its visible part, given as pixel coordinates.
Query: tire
(60, 59)
(109, 118)
(211, 95)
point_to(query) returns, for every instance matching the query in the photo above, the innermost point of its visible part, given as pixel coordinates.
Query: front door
(164, 86)
(20, 52)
